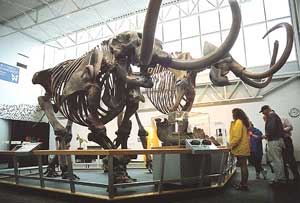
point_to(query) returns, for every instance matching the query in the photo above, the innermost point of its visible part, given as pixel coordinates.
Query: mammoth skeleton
(95, 88)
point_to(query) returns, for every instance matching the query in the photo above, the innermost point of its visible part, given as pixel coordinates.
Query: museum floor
(260, 191)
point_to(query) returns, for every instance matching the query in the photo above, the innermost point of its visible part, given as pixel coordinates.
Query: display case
(176, 127)
(207, 161)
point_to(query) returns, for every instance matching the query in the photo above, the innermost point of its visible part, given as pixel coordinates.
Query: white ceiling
(45, 20)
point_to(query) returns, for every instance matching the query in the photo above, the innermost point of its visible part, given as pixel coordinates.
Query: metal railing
(225, 172)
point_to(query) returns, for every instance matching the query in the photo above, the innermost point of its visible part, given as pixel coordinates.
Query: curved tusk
(207, 60)
(149, 31)
(265, 83)
(240, 70)
(256, 84)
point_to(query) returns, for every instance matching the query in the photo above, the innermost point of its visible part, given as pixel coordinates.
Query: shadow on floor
(260, 191)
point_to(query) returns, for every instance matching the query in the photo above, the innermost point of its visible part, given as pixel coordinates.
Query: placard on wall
(9, 73)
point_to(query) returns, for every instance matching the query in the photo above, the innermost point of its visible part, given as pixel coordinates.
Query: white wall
(24, 92)
(111, 128)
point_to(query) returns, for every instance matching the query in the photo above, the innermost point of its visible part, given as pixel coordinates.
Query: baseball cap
(264, 107)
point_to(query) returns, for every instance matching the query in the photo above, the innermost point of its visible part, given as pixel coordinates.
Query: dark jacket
(274, 127)
(256, 142)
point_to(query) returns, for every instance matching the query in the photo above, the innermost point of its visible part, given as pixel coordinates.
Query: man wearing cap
(288, 155)
(274, 133)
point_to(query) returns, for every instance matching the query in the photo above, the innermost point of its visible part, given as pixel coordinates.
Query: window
(170, 12)
(209, 22)
(205, 5)
(252, 12)
(188, 7)
(82, 36)
(158, 32)
(277, 9)
(49, 57)
(214, 39)
(190, 26)
(95, 32)
(225, 18)
(280, 35)
(192, 45)
(171, 30)
(238, 49)
(59, 56)
(172, 47)
(70, 53)
(257, 50)
(186, 25)
(82, 49)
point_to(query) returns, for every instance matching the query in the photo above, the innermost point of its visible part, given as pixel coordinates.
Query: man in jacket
(274, 133)
(288, 154)
(256, 151)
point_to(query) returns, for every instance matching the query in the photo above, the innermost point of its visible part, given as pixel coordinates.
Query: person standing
(288, 154)
(256, 151)
(274, 134)
(239, 144)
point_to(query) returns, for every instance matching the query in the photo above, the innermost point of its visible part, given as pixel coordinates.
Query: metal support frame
(221, 170)
(162, 170)
(79, 7)
(70, 173)
(111, 187)
(54, 13)
(16, 171)
(202, 171)
(41, 173)
(280, 84)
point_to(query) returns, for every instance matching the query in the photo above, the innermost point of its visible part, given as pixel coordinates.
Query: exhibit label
(9, 73)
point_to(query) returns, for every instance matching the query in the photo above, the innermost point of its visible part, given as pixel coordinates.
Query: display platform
(95, 183)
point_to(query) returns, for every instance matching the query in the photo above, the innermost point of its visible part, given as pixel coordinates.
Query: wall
(23, 92)
(281, 101)
(4, 134)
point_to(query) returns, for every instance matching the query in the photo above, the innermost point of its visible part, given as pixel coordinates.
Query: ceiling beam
(20, 31)
(54, 18)
(30, 10)
(17, 7)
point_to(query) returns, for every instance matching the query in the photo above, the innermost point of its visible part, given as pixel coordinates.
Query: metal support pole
(16, 171)
(42, 181)
(70, 173)
(221, 171)
(162, 171)
(202, 169)
(111, 188)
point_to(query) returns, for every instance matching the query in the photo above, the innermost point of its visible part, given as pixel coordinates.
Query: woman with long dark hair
(239, 144)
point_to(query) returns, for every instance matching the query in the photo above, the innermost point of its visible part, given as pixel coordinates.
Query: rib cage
(163, 93)
(75, 106)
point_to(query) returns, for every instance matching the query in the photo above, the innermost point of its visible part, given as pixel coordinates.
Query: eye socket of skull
(123, 38)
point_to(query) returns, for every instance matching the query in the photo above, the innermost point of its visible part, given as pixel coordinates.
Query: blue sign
(9, 73)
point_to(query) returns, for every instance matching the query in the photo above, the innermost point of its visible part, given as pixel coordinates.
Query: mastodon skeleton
(173, 90)
(95, 88)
